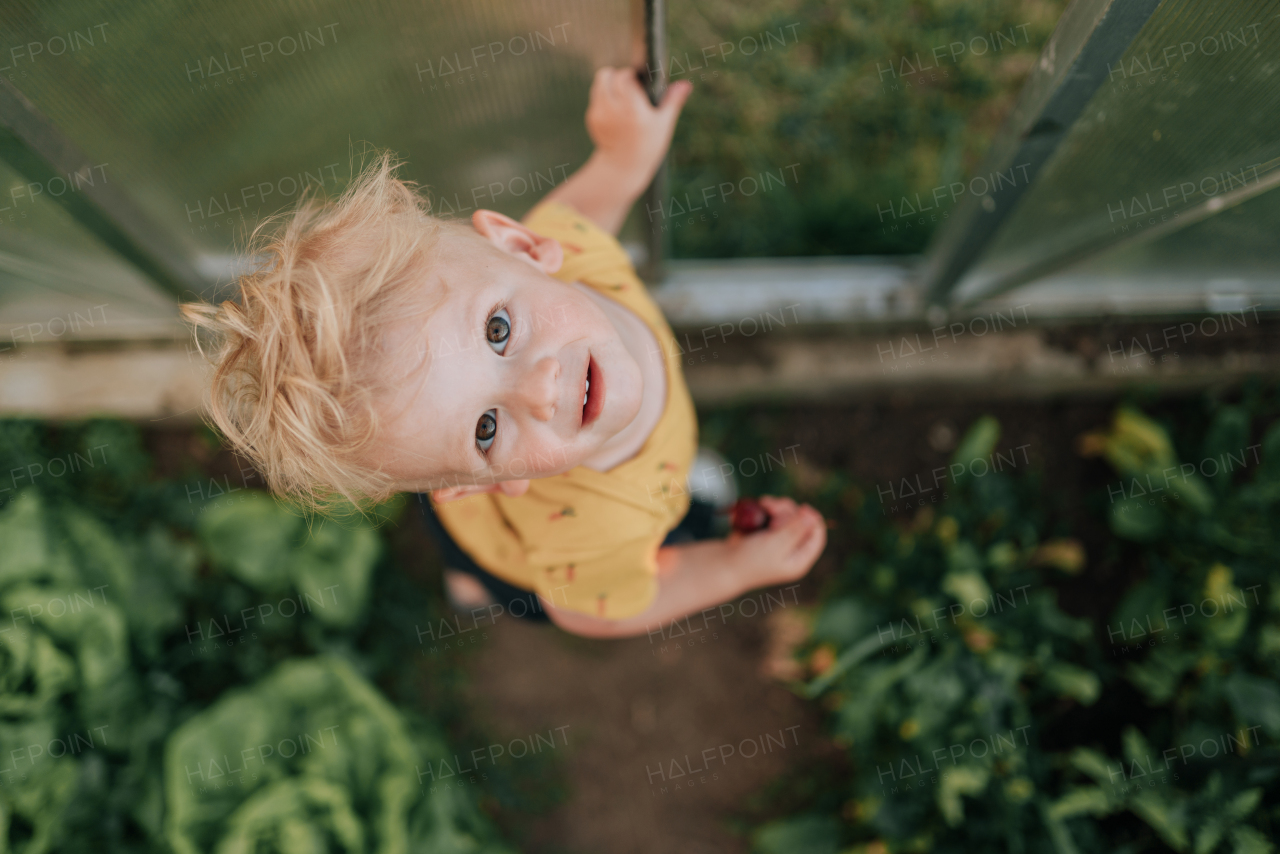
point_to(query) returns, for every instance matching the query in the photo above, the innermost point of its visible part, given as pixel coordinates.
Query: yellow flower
(1138, 444)
(1066, 554)
(1217, 584)
(1019, 789)
(947, 529)
(910, 729)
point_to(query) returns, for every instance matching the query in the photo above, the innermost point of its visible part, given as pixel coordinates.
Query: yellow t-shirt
(587, 540)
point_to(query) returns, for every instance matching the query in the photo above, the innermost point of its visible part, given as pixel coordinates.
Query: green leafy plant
(1199, 632)
(265, 546)
(311, 758)
(821, 127)
(969, 726)
(83, 608)
(116, 673)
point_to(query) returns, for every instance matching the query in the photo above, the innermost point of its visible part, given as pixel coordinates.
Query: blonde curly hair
(298, 357)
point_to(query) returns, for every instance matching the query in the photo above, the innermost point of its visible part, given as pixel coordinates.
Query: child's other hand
(513, 488)
(626, 129)
(787, 549)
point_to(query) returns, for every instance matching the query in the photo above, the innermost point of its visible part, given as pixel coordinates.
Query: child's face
(512, 351)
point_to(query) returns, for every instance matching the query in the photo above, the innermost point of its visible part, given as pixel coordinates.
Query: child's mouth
(592, 393)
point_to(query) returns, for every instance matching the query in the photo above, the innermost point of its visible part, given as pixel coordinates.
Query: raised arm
(631, 139)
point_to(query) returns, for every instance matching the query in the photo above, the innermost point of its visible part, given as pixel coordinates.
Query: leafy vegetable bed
(978, 716)
(185, 666)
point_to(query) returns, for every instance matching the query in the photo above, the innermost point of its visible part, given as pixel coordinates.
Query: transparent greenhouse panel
(1185, 126)
(58, 281)
(212, 115)
(1227, 263)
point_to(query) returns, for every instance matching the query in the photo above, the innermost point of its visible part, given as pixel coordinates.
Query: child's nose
(537, 388)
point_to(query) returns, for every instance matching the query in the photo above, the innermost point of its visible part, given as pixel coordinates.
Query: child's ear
(515, 239)
(513, 488)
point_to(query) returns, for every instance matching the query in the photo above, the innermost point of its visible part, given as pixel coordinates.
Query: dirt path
(649, 720)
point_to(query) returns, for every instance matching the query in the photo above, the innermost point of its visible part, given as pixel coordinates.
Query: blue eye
(487, 429)
(498, 330)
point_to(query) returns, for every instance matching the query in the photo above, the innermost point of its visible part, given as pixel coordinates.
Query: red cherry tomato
(748, 515)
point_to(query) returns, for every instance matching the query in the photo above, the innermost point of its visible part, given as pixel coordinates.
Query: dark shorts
(696, 525)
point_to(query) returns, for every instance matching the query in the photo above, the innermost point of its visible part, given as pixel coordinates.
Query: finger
(805, 515)
(778, 506)
(820, 529)
(795, 527)
(600, 84)
(778, 519)
(780, 515)
(810, 544)
(812, 547)
(674, 98)
(452, 493)
(622, 82)
(788, 531)
(513, 488)
(812, 514)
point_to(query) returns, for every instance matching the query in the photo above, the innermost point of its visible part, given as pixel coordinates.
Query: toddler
(515, 376)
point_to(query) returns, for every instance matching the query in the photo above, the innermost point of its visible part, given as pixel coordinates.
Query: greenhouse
(923, 495)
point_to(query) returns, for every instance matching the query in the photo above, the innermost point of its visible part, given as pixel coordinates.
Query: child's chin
(583, 456)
